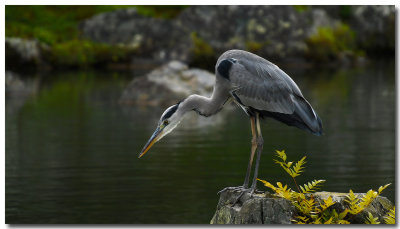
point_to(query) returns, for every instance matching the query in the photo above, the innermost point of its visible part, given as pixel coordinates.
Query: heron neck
(206, 106)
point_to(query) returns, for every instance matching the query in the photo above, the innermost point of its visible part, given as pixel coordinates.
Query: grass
(53, 24)
(57, 26)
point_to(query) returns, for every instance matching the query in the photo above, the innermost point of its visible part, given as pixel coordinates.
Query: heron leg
(253, 150)
(260, 142)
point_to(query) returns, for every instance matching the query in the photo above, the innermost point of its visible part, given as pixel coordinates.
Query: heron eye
(166, 122)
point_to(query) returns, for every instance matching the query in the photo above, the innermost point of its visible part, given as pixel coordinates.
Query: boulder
(18, 90)
(375, 27)
(168, 84)
(155, 38)
(278, 33)
(274, 32)
(26, 54)
(259, 208)
(264, 208)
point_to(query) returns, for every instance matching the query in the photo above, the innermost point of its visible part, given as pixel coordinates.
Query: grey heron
(260, 88)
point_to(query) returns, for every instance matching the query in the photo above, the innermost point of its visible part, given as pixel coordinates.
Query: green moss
(166, 12)
(201, 48)
(345, 12)
(82, 53)
(57, 26)
(203, 53)
(254, 46)
(301, 8)
(49, 24)
(329, 43)
(52, 24)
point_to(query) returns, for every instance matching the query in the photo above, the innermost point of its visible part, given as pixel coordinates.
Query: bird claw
(240, 189)
(236, 189)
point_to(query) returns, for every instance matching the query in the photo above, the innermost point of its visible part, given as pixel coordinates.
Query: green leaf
(383, 188)
(298, 167)
(343, 214)
(390, 218)
(281, 154)
(371, 219)
(329, 221)
(311, 186)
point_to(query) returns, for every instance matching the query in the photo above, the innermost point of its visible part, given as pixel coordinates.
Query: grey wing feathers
(264, 86)
(261, 85)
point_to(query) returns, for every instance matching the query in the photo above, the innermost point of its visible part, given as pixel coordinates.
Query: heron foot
(235, 189)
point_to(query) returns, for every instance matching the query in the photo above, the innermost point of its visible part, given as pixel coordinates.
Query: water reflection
(71, 149)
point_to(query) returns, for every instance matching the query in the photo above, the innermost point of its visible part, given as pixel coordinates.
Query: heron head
(168, 121)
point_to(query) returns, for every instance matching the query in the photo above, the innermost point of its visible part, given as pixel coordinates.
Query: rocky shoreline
(199, 34)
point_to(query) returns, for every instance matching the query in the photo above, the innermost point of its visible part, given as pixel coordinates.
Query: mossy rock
(264, 208)
(82, 53)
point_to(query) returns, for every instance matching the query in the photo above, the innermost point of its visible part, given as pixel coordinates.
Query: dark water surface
(71, 149)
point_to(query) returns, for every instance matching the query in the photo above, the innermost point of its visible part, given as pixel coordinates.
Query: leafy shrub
(312, 212)
(203, 53)
(331, 43)
(84, 53)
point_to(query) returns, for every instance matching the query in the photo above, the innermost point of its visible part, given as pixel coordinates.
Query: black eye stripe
(170, 112)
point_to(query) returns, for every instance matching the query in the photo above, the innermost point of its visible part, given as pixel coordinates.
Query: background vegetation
(54, 24)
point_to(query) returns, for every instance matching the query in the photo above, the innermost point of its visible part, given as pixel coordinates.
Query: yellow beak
(153, 139)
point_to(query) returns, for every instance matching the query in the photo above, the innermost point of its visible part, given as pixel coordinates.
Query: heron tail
(307, 115)
(303, 117)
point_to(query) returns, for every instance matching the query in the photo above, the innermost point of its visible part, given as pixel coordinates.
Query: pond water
(71, 148)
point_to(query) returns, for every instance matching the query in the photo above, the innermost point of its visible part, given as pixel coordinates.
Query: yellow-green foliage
(52, 24)
(160, 11)
(312, 212)
(301, 8)
(57, 26)
(390, 218)
(203, 53)
(329, 43)
(255, 46)
(371, 219)
(292, 171)
(84, 53)
(201, 47)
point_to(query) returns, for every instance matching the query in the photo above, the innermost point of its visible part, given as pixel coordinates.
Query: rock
(15, 86)
(158, 39)
(278, 33)
(274, 32)
(257, 209)
(375, 27)
(18, 89)
(168, 84)
(378, 208)
(320, 19)
(26, 54)
(264, 208)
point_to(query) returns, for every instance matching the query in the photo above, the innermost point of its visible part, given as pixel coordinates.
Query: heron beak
(153, 139)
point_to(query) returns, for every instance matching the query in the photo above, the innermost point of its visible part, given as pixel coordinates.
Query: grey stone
(374, 26)
(264, 208)
(168, 84)
(274, 32)
(256, 209)
(25, 53)
(155, 38)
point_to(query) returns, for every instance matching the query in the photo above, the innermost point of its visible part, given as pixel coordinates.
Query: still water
(71, 148)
